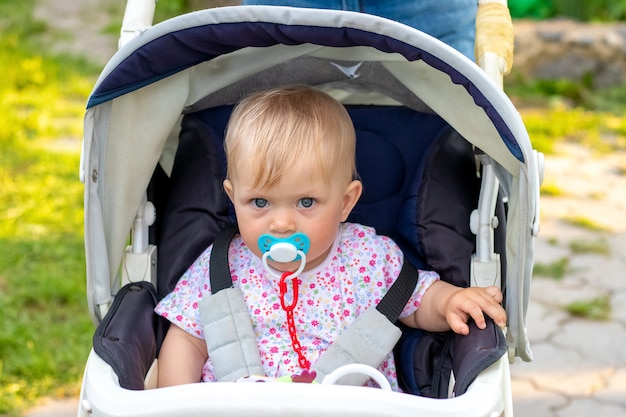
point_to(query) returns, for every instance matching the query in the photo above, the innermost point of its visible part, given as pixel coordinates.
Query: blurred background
(567, 82)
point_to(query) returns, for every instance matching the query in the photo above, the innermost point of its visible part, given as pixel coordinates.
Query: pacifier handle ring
(276, 274)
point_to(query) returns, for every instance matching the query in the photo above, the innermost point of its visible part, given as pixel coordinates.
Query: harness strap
(218, 263)
(400, 292)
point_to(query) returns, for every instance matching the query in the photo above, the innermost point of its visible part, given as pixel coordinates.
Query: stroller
(448, 173)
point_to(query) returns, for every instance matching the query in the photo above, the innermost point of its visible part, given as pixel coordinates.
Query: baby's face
(299, 202)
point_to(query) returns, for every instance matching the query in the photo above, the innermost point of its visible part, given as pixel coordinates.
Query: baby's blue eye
(306, 202)
(259, 202)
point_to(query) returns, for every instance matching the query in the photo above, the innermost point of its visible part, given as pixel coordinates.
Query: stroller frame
(114, 206)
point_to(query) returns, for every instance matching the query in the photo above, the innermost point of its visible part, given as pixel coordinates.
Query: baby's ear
(350, 198)
(228, 187)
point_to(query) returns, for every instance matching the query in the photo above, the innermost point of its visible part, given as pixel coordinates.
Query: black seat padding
(418, 179)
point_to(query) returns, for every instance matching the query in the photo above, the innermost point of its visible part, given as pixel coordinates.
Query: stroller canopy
(217, 56)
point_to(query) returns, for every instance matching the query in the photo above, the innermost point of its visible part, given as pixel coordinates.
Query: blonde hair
(281, 126)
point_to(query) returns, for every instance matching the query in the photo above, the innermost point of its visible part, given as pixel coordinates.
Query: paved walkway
(579, 366)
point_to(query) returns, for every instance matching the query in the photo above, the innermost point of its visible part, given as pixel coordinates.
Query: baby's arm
(445, 306)
(181, 358)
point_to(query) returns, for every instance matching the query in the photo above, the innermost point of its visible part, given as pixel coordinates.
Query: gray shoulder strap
(229, 336)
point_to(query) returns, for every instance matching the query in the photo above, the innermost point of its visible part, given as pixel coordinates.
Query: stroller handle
(494, 39)
(138, 17)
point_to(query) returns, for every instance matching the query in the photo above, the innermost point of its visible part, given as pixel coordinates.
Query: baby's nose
(282, 223)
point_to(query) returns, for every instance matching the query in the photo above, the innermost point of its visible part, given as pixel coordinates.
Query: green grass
(555, 270)
(586, 223)
(551, 190)
(598, 308)
(599, 246)
(46, 330)
(557, 111)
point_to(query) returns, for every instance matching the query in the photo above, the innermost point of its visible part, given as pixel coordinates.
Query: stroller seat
(420, 186)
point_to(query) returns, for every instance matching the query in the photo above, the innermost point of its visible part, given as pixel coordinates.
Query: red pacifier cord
(291, 324)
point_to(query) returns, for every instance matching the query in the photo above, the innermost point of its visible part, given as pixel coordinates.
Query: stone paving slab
(579, 366)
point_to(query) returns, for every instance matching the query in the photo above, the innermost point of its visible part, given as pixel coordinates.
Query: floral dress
(360, 268)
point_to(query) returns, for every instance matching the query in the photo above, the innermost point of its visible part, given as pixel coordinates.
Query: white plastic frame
(102, 396)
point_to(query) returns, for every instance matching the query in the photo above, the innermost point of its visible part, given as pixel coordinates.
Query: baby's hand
(474, 302)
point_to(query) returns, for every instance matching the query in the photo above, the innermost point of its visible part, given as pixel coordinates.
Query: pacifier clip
(287, 250)
(291, 324)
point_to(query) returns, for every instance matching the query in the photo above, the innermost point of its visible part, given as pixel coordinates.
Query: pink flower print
(342, 268)
(372, 262)
(346, 313)
(275, 306)
(179, 318)
(315, 323)
(312, 286)
(361, 234)
(274, 349)
(184, 282)
(350, 300)
(310, 302)
(257, 311)
(273, 330)
(336, 297)
(379, 283)
(367, 279)
(195, 305)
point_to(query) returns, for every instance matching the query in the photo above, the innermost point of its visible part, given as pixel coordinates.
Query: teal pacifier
(283, 250)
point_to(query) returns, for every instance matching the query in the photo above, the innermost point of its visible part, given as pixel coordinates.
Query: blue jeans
(451, 21)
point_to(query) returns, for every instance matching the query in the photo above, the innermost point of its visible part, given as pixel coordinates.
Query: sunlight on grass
(46, 333)
(601, 132)
(585, 223)
(552, 190)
